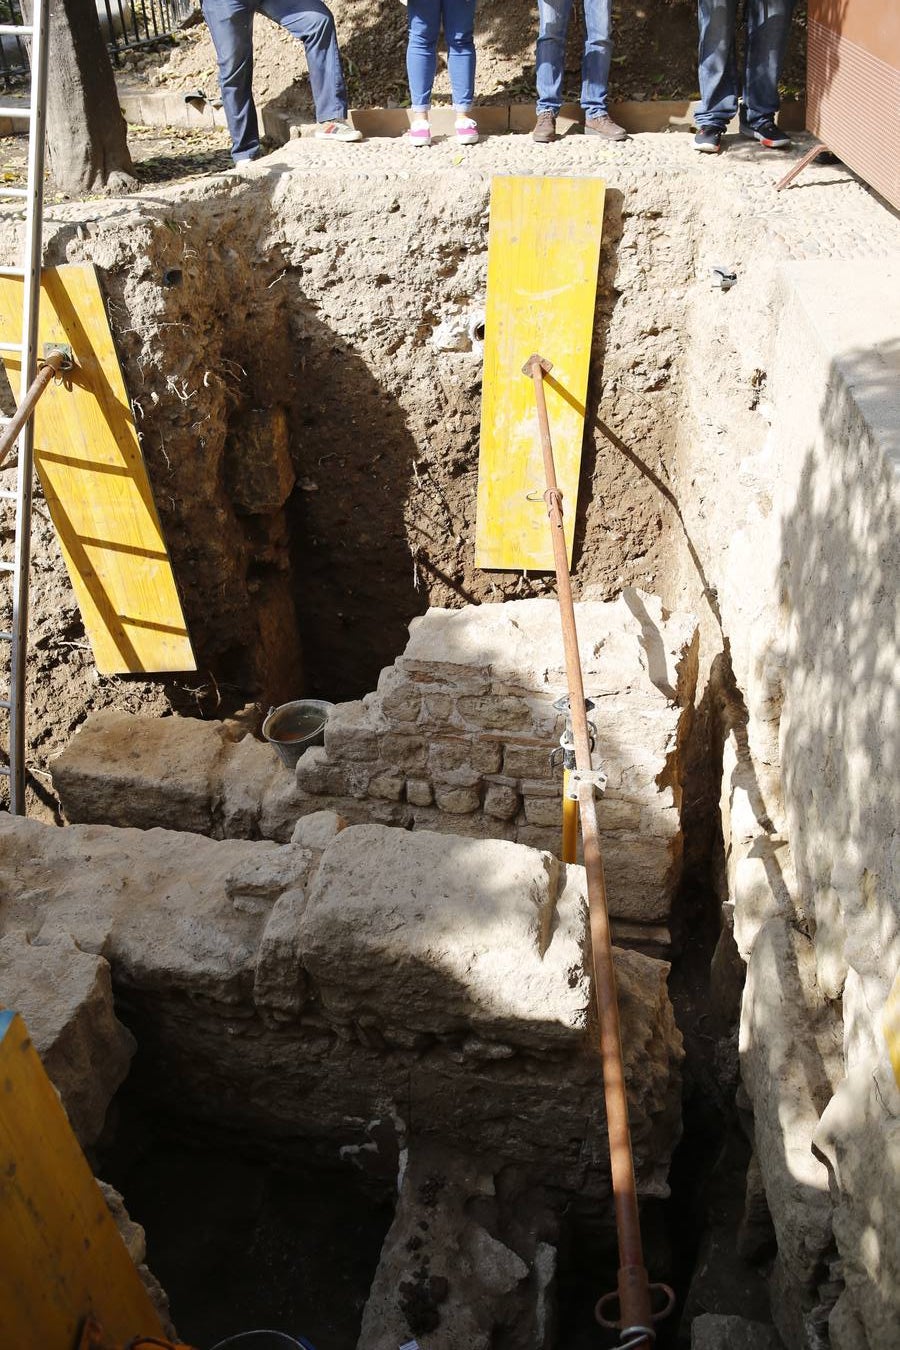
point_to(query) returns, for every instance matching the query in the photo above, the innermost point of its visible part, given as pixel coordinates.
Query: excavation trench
(322, 1063)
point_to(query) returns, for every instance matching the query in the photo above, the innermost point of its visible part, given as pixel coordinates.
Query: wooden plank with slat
(92, 471)
(63, 1256)
(543, 255)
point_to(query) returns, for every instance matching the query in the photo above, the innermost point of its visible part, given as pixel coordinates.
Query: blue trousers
(231, 26)
(768, 28)
(553, 23)
(421, 50)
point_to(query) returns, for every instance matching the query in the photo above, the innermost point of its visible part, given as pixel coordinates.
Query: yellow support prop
(543, 255)
(92, 471)
(569, 823)
(62, 1255)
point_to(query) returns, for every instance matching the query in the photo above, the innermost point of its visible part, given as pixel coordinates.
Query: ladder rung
(16, 30)
(7, 567)
(7, 495)
(13, 192)
(12, 272)
(5, 703)
(4, 771)
(10, 347)
(6, 637)
(14, 110)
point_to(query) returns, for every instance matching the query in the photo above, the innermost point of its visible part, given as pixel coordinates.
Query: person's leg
(424, 20)
(231, 28)
(717, 72)
(553, 21)
(768, 29)
(597, 58)
(459, 30)
(311, 21)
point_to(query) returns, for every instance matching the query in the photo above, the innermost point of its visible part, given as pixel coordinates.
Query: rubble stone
(64, 996)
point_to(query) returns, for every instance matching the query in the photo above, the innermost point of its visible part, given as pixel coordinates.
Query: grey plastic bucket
(294, 727)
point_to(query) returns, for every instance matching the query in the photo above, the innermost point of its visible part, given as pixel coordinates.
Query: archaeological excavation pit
(338, 1020)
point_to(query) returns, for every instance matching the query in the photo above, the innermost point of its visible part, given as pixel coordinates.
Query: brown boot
(605, 127)
(544, 128)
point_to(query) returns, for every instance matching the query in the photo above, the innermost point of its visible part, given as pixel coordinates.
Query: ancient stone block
(316, 773)
(448, 756)
(280, 983)
(64, 996)
(244, 774)
(543, 810)
(438, 710)
(529, 761)
(489, 711)
(350, 734)
(457, 800)
(317, 830)
(406, 753)
(500, 801)
(126, 770)
(387, 787)
(419, 792)
(401, 701)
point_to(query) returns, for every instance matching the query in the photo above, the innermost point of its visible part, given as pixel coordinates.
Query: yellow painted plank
(62, 1255)
(94, 478)
(543, 255)
(890, 1023)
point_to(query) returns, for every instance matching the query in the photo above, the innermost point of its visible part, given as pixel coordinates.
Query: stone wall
(457, 738)
(359, 995)
(802, 447)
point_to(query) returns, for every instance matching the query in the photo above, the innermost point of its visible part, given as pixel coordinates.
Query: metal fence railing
(126, 25)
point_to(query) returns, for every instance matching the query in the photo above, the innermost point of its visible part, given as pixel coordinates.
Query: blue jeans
(231, 26)
(553, 21)
(768, 27)
(421, 50)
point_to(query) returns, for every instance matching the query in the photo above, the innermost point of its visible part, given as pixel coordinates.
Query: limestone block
(641, 876)
(125, 770)
(715, 1331)
(65, 999)
(438, 710)
(350, 733)
(245, 773)
(545, 811)
(457, 800)
(405, 753)
(615, 813)
(859, 1137)
(791, 1062)
(529, 761)
(413, 904)
(400, 700)
(283, 802)
(158, 905)
(259, 474)
(317, 774)
(280, 983)
(317, 830)
(495, 713)
(387, 787)
(495, 1267)
(419, 792)
(501, 801)
(463, 752)
(763, 886)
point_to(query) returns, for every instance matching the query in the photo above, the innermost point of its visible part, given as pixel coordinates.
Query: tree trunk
(86, 132)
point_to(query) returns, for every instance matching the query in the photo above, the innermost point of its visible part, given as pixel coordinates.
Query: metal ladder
(18, 569)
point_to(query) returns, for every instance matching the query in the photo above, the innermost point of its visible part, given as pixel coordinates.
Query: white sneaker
(337, 131)
(466, 131)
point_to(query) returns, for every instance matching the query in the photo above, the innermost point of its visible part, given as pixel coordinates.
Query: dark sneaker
(605, 127)
(544, 128)
(766, 133)
(708, 141)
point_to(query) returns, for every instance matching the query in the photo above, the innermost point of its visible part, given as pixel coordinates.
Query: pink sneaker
(419, 134)
(466, 131)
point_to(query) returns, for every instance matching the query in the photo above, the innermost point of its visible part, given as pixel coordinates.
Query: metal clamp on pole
(53, 364)
(596, 778)
(635, 1313)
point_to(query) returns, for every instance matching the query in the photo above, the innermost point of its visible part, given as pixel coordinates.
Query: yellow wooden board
(62, 1255)
(543, 255)
(93, 475)
(891, 1026)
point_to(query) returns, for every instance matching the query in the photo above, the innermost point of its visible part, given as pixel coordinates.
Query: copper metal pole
(53, 364)
(635, 1306)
